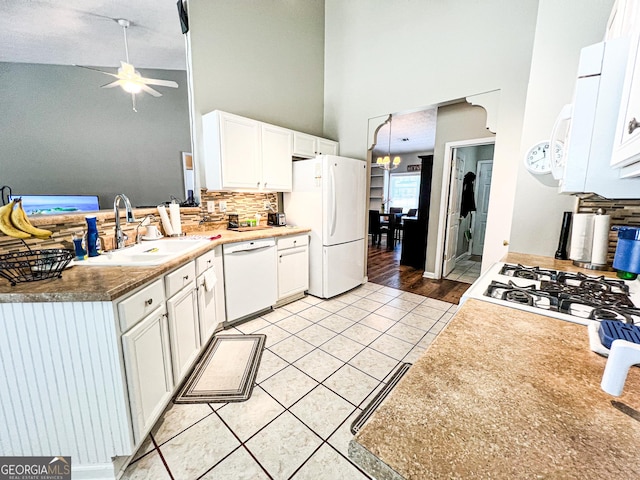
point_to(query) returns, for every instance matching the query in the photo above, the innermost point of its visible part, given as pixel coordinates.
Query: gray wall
(61, 133)
(262, 59)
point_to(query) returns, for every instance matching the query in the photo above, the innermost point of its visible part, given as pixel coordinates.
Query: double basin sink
(146, 253)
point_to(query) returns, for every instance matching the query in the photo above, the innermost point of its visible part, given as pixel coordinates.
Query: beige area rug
(226, 372)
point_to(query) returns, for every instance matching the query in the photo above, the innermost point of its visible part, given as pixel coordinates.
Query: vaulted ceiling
(84, 32)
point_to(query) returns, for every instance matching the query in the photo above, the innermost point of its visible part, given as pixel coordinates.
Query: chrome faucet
(120, 235)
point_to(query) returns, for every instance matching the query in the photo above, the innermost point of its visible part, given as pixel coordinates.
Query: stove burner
(610, 313)
(529, 273)
(575, 294)
(518, 296)
(523, 295)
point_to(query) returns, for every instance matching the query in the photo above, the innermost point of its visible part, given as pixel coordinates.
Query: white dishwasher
(250, 277)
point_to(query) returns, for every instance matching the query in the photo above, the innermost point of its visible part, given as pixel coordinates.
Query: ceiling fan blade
(97, 70)
(117, 83)
(162, 83)
(150, 90)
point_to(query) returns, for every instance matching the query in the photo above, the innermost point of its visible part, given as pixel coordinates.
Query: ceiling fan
(128, 78)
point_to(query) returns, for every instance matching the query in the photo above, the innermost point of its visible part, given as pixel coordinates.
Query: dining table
(384, 220)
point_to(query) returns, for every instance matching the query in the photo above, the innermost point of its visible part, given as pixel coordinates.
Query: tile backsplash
(194, 219)
(246, 205)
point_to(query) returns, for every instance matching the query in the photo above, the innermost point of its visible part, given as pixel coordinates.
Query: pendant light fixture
(386, 162)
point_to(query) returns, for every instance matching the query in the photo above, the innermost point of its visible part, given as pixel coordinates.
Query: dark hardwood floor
(383, 268)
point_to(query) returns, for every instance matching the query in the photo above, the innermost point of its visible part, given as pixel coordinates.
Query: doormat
(361, 419)
(226, 372)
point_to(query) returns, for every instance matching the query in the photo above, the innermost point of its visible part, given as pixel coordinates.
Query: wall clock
(540, 160)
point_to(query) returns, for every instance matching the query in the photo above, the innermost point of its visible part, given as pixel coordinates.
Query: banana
(6, 226)
(21, 222)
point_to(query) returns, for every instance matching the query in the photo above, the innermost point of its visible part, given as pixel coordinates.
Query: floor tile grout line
(181, 431)
(162, 459)
(242, 445)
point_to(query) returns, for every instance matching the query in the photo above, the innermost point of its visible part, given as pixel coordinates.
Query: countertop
(503, 393)
(97, 283)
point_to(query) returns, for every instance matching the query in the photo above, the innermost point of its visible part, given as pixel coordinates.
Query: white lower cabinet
(293, 265)
(211, 309)
(147, 361)
(184, 330)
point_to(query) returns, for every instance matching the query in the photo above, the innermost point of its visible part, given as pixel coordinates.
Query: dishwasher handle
(250, 246)
(250, 250)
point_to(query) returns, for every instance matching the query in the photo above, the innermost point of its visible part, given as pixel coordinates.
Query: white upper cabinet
(626, 151)
(276, 158)
(308, 146)
(241, 153)
(327, 147)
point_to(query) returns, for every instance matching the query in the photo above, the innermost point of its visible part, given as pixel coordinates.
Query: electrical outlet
(211, 207)
(222, 205)
(267, 205)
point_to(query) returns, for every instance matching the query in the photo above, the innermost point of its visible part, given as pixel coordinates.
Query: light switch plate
(211, 207)
(222, 205)
(267, 205)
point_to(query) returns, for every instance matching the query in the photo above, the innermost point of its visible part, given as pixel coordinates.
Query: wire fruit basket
(33, 265)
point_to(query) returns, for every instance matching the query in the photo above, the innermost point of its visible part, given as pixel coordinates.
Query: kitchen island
(503, 393)
(90, 360)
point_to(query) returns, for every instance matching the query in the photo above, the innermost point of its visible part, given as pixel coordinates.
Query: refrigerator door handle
(334, 215)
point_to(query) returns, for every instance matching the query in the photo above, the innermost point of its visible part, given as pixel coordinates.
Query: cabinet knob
(633, 124)
(149, 301)
(186, 277)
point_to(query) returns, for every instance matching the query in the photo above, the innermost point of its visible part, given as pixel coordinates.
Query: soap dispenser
(92, 237)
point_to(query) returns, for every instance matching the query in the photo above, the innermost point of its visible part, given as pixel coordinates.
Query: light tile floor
(324, 361)
(466, 271)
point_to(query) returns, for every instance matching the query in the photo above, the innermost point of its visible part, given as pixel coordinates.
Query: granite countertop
(98, 283)
(503, 393)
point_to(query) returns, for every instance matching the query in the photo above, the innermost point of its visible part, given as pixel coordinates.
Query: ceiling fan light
(131, 87)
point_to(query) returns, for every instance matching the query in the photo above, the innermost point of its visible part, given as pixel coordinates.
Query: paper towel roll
(174, 213)
(600, 248)
(166, 224)
(582, 237)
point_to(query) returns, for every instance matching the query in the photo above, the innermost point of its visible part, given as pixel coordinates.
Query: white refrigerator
(328, 195)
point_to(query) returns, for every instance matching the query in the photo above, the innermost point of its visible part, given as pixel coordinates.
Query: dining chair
(395, 210)
(376, 229)
(395, 224)
(412, 212)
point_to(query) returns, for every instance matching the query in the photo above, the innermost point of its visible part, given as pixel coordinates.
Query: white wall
(383, 57)
(60, 133)
(455, 122)
(259, 59)
(563, 29)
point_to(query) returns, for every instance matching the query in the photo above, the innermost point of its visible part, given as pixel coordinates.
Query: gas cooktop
(574, 297)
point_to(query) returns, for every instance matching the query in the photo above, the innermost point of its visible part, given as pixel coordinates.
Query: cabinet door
(327, 147)
(147, 362)
(276, 158)
(304, 146)
(627, 146)
(207, 310)
(293, 271)
(240, 152)
(184, 330)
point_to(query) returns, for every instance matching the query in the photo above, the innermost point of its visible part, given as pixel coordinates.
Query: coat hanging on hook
(468, 198)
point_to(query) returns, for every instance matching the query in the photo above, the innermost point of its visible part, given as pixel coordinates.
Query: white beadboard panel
(62, 390)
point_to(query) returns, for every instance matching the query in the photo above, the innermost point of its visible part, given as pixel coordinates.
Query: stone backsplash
(623, 212)
(194, 219)
(246, 205)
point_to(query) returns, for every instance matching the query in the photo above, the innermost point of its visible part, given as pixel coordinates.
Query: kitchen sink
(146, 253)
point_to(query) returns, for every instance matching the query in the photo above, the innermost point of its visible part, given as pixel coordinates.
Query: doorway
(468, 188)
